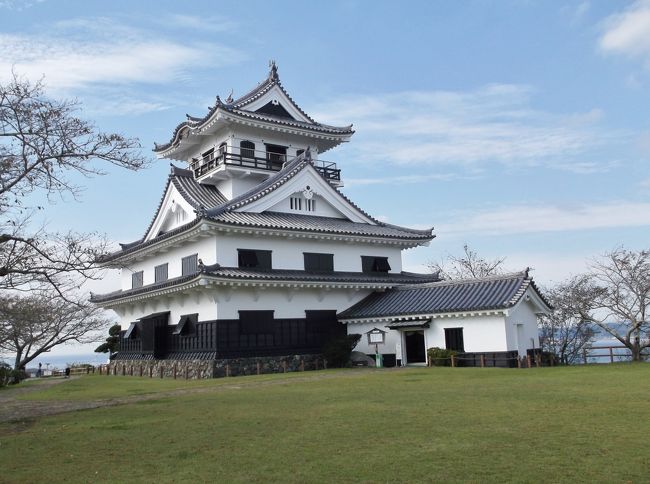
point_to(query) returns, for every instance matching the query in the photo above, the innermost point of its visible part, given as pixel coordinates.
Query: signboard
(376, 336)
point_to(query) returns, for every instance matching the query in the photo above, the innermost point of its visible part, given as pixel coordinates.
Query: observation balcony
(223, 158)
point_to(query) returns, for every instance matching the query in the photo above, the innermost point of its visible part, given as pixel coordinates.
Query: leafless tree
(34, 324)
(617, 298)
(564, 332)
(468, 265)
(43, 144)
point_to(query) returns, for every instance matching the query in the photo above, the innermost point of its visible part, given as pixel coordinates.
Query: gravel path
(23, 412)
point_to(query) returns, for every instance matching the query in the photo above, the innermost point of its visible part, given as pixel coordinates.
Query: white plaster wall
(178, 305)
(288, 253)
(206, 248)
(287, 303)
(225, 303)
(480, 333)
(522, 313)
(323, 208)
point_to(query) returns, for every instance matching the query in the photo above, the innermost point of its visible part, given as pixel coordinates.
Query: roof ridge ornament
(273, 71)
(230, 99)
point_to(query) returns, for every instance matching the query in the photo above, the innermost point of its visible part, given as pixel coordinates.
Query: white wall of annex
(288, 253)
(480, 333)
(205, 248)
(523, 313)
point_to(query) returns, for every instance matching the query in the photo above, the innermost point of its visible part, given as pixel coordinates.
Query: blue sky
(521, 127)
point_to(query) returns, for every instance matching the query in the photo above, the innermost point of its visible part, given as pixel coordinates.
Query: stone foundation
(199, 369)
(181, 369)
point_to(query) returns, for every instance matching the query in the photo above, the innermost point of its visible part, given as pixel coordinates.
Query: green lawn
(586, 424)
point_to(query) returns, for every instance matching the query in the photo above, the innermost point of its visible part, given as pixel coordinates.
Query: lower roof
(217, 272)
(490, 293)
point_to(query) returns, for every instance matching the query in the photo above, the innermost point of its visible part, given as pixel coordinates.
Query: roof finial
(230, 99)
(273, 73)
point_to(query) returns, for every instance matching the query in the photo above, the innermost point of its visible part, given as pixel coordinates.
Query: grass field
(576, 424)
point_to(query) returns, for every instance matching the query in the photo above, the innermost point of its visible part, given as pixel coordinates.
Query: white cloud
(492, 124)
(398, 180)
(210, 23)
(91, 56)
(628, 32)
(520, 219)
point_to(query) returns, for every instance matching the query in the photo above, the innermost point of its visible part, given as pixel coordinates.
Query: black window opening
(454, 339)
(299, 152)
(161, 273)
(373, 264)
(319, 262)
(208, 155)
(222, 150)
(276, 154)
(295, 203)
(254, 259)
(137, 279)
(310, 205)
(190, 264)
(247, 149)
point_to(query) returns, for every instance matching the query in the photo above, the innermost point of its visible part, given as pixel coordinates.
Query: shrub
(440, 356)
(337, 351)
(5, 374)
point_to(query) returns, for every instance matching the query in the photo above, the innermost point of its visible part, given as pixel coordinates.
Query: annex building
(255, 259)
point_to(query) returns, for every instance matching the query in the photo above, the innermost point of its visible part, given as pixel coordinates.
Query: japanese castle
(254, 260)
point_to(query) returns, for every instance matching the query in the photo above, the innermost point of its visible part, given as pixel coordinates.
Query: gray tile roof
(200, 197)
(234, 273)
(311, 223)
(490, 293)
(237, 106)
(210, 204)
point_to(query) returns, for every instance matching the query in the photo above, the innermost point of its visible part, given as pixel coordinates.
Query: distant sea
(59, 362)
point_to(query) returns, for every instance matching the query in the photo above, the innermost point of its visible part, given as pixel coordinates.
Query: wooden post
(161, 371)
(187, 373)
(529, 361)
(123, 370)
(151, 372)
(324, 364)
(518, 361)
(100, 369)
(131, 370)
(611, 354)
(227, 370)
(453, 361)
(141, 371)
(482, 361)
(259, 368)
(538, 360)
(174, 371)
(284, 366)
(316, 364)
(584, 355)
(302, 365)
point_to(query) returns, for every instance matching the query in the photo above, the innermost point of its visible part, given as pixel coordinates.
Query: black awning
(186, 323)
(130, 332)
(416, 324)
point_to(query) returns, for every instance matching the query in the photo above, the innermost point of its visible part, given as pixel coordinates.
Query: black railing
(268, 161)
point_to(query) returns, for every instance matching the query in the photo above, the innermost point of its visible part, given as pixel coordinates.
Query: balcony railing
(260, 160)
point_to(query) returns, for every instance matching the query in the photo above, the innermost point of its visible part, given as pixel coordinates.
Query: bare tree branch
(466, 266)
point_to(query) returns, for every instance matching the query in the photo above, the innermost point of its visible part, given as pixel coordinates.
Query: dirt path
(14, 410)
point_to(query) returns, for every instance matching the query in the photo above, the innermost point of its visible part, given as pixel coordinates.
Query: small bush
(5, 374)
(440, 356)
(337, 351)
